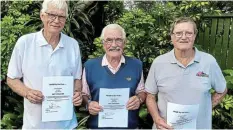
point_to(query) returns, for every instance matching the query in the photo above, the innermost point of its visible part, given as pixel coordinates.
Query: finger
(96, 109)
(38, 94)
(32, 100)
(134, 107)
(77, 102)
(163, 124)
(93, 112)
(38, 99)
(77, 98)
(94, 104)
(76, 94)
(132, 103)
(131, 108)
(131, 100)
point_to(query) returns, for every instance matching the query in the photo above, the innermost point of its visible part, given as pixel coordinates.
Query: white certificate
(114, 112)
(58, 94)
(182, 116)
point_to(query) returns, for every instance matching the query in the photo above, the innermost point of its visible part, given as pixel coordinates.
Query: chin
(115, 54)
(184, 48)
(55, 31)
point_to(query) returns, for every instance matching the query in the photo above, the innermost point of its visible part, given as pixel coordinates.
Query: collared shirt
(33, 58)
(175, 83)
(105, 62)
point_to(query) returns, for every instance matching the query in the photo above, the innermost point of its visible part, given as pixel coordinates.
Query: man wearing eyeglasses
(47, 53)
(113, 71)
(183, 78)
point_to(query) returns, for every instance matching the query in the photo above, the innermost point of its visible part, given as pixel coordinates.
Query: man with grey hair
(183, 78)
(113, 71)
(47, 53)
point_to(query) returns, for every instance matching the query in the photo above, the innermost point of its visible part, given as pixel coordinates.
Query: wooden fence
(216, 38)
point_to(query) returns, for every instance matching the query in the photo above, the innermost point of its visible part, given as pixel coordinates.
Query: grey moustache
(114, 49)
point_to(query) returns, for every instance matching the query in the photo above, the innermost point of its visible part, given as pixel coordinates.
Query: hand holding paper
(133, 103)
(161, 123)
(34, 96)
(94, 108)
(77, 99)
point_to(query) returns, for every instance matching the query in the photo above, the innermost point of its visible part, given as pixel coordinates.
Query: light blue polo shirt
(189, 85)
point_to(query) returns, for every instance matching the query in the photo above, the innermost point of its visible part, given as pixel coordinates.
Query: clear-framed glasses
(54, 16)
(180, 34)
(118, 41)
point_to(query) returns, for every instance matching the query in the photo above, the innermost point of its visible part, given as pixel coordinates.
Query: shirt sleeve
(78, 70)
(151, 85)
(85, 90)
(15, 64)
(141, 85)
(218, 81)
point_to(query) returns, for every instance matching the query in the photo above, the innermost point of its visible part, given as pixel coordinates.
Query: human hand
(34, 96)
(94, 108)
(161, 124)
(77, 98)
(133, 103)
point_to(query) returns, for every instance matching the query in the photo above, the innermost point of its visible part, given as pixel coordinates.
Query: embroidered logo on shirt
(128, 78)
(202, 74)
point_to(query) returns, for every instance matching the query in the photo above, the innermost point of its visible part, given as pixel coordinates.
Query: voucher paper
(182, 116)
(114, 112)
(58, 94)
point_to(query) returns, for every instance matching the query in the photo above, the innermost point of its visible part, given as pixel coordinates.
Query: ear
(104, 48)
(195, 36)
(172, 38)
(42, 16)
(125, 41)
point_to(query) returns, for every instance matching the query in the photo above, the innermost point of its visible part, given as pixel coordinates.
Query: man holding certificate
(49, 62)
(182, 79)
(113, 86)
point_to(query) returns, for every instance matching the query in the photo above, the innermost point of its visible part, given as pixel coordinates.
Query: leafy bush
(223, 113)
(13, 25)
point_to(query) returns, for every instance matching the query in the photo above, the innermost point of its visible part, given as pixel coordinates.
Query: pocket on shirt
(203, 84)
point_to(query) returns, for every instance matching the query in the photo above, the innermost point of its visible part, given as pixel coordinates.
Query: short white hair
(113, 26)
(59, 4)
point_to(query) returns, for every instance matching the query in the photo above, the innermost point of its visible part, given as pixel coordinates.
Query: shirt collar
(42, 41)
(106, 63)
(196, 56)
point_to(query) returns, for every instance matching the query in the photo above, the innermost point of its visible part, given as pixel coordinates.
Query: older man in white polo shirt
(184, 76)
(42, 54)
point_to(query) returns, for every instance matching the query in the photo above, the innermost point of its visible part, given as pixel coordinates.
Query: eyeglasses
(109, 41)
(180, 34)
(54, 16)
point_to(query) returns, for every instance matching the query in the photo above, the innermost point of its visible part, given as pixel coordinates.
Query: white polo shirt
(33, 58)
(186, 85)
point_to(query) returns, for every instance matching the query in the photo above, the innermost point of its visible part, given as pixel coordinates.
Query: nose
(56, 19)
(183, 36)
(114, 43)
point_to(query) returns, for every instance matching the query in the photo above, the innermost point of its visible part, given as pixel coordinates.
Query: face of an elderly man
(183, 36)
(53, 19)
(113, 42)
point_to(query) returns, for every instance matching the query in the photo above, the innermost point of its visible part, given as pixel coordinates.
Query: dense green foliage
(12, 27)
(146, 24)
